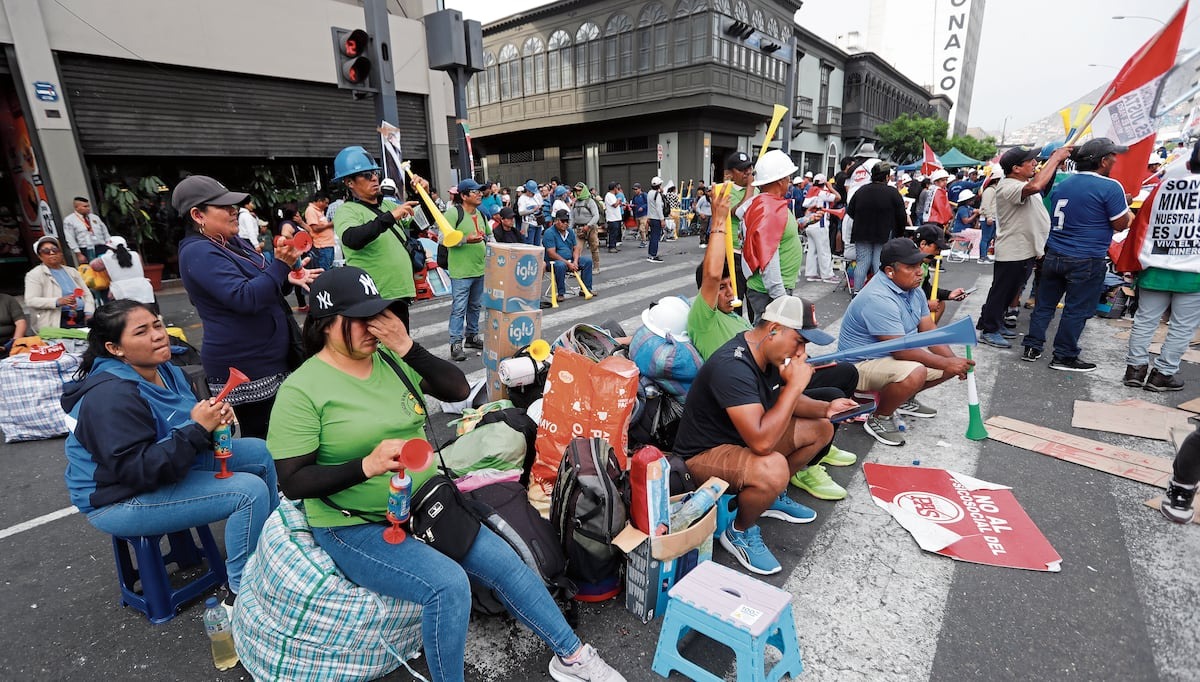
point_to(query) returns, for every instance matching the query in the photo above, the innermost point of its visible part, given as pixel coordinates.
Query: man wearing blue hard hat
(372, 229)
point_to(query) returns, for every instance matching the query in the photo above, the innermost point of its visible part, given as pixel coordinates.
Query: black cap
(1016, 156)
(613, 185)
(563, 214)
(198, 190)
(507, 212)
(1096, 149)
(637, 185)
(900, 250)
(347, 291)
(738, 161)
(932, 233)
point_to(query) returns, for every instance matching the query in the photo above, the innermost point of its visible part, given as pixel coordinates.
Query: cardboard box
(506, 333)
(496, 389)
(654, 565)
(512, 277)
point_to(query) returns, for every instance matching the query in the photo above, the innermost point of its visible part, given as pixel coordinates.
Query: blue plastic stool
(157, 599)
(726, 512)
(736, 610)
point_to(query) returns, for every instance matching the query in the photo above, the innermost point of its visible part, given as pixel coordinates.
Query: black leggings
(1187, 461)
(253, 418)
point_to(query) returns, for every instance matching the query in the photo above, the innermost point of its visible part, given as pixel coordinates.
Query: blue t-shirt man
(960, 219)
(1082, 209)
(881, 309)
(955, 188)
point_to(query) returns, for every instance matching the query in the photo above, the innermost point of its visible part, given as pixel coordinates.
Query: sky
(1034, 55)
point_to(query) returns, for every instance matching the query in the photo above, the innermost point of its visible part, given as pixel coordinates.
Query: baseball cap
(507, 212)
(900, 250)
(637, 185)
(42, 240)
(819, 178)
(1016, 156)
(563, 214)
(198, 190)
(656, 181)
(800, 315)
(347, 291)
(738, 161)
(1097, 148)
(468, 185)
(932, 233)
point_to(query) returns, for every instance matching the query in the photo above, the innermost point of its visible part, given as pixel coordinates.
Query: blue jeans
(1080, 280)
(560, 273)
(1185, 317)
(989, 233)
(655, 236)
(613, 232)
(533, 235)
(866, 256)
(416, 572)
(245, 499)
(468, 300)
(322, 258)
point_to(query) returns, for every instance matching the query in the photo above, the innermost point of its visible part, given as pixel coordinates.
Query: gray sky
(1033, 54)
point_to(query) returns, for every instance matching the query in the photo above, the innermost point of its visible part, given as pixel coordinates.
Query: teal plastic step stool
(736, 610)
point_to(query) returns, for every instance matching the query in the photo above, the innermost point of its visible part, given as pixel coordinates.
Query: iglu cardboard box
(512, 277)
(503, 335)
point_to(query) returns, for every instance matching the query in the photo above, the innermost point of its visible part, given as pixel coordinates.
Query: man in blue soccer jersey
(1085, 210)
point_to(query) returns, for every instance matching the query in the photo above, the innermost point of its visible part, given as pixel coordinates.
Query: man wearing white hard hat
(772, 253)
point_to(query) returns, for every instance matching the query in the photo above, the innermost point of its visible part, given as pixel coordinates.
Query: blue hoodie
(127, 435)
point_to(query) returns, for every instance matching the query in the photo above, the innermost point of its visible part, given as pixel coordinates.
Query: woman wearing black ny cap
(239, 296)
(337, 429)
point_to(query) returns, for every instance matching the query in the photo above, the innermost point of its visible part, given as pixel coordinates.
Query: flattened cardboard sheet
(1131, 420)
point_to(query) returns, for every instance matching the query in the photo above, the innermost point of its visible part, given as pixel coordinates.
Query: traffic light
(351, 57)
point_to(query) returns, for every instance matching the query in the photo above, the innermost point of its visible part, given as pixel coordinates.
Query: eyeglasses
(475, 191)
(366, 175)
(50, 251)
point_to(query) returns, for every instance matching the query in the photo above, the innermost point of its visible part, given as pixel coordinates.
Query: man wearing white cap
(771, 253)
(937, 208)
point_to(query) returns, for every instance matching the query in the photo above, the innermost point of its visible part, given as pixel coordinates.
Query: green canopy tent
(956, 159)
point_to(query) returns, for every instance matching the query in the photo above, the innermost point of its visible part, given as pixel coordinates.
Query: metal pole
(376, 16)
(790, 97)
(459, 77)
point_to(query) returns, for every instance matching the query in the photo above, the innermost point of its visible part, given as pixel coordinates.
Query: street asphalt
(869, 603)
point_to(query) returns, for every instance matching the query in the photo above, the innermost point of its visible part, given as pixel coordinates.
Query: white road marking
(39, 521)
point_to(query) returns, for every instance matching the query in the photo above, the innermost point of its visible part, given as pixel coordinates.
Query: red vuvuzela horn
(302, 241)
(236, 378)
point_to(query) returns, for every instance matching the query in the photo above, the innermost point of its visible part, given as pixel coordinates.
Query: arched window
(740, 12)
(510, 72)
(774, 29)
(492, 82)
(560, 60)
(587, 54)
(652, 38)
(533, 63)
(618, 47)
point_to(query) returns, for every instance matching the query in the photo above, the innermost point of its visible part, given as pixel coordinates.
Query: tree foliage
(901, 139)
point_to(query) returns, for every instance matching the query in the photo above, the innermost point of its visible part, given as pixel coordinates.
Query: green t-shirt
(709, 329)
(385, 258)
(341, 418)
(467, 260)
(1175, 281)
(791, 258)
(735, 197)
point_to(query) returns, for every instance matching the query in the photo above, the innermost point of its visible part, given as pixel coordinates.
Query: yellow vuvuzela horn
(450, 236)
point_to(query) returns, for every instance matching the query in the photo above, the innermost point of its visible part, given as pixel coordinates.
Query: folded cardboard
(512, 277)
(655, 564)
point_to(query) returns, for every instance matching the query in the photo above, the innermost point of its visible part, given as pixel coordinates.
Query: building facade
(877, 93)
(100, 96)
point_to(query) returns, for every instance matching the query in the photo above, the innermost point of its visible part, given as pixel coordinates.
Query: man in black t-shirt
(747, 421)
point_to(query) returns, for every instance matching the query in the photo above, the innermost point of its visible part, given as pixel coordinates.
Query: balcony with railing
(804, 109)
(829, 121)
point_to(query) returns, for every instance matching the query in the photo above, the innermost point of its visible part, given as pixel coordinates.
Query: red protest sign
(961, 517)
(43, 353)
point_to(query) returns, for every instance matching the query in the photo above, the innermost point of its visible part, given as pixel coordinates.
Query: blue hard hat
(1049, 149)
(352, 160)
(562, 190)
(531, 186)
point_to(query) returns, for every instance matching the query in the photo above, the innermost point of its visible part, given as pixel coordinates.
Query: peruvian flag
(1124, 112)
(931, 162)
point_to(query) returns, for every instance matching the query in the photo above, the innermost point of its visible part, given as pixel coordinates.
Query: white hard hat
(819, 177)
(809, 174)
(1157, 159)
(965, 195)
(939, 174)
(773, 166)
(655, 181)
(387, 183)
(668, 318)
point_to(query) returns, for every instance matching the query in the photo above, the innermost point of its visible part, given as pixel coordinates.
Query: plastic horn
(450, 236)
(960, 333)
(975, 428)
(416, 454)
(301, 240)
(236, 378)
(776, 118)
(586, 294)
(539, 350)
(553, 289)
(736, 302)
(839, 213)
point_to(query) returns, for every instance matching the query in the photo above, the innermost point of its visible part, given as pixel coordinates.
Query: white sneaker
(589, 668)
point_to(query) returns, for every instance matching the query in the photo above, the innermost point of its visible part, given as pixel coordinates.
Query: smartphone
(865, 408)
(968, 292)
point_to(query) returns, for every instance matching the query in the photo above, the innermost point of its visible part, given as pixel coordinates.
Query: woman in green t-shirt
(336, 432)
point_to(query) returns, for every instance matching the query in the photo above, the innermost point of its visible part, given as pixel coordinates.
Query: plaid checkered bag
(31, 395)
(298, 618)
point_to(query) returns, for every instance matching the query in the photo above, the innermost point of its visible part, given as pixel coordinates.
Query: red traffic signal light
(355, 44)
(351, 50)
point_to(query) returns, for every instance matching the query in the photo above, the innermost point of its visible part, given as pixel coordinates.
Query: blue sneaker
(994, 339)
(747, 547)
(785, 508)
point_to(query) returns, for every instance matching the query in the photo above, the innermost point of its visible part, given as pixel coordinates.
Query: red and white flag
(930, 162)
(1125, 111)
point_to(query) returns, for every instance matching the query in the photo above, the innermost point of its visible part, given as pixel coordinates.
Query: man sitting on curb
(747, 421)
(889, 307)
(713, 321)
(563, 253)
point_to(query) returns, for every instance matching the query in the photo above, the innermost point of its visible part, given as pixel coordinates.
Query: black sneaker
(474, 341)
(654, 259)
(1031, 354)
(1177, 505)
(1010, 318)
(456, 352)
(1071, 365)
(1159, 382)
(1135, 375)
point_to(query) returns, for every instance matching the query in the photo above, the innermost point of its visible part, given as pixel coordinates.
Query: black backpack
(504, 508)
(655, 418)
(588, 510)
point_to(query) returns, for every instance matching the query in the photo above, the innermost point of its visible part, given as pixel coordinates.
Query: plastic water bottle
(694, 507)
(898, 420)
(399, 495)
(220, 634)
